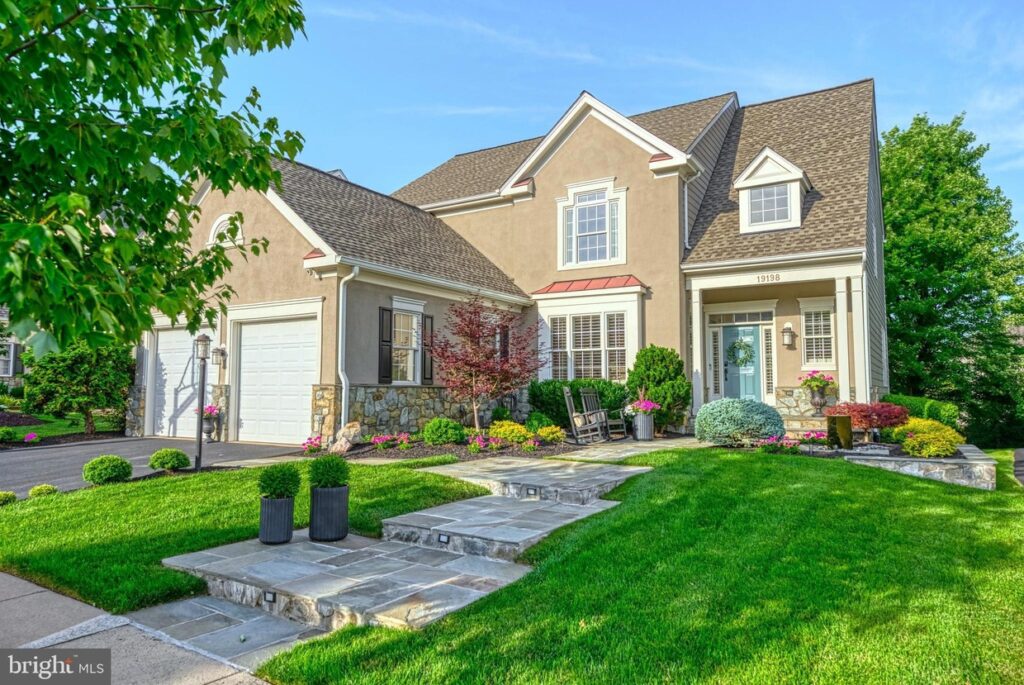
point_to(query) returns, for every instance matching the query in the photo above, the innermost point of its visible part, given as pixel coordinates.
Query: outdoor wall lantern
(218, 356)
(788, 336)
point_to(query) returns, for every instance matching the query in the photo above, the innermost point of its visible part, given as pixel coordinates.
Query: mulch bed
(10, 418)
(63, 439)
(419, 450)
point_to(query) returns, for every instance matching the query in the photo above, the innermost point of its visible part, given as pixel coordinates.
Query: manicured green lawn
(50, 426)
(104, 545)
(729, 567)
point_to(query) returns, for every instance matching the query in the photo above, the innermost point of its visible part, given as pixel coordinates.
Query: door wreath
(740, 353)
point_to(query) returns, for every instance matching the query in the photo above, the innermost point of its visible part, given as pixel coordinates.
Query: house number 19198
(769, 278)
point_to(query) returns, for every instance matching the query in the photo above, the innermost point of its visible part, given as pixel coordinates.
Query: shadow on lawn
(727, 566)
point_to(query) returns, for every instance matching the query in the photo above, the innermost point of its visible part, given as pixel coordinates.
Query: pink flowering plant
(530, 445)
(817, 380)
(476, 443)
(210, 411)
(313, 445)
(814, 438)
(645, 406)
(778, 445)
(31, 438)
(403, 441)
(495, 444)
(383, 441)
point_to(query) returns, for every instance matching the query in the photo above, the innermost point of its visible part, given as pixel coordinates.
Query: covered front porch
(754, 334)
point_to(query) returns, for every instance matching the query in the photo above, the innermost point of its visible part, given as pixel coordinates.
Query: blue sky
(386, 91)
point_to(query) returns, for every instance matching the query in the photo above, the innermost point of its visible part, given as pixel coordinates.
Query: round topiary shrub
(737, 422)
(169, 459)
(328, 472)
(8, 435)
(109, 468)
(7, 497)
(443, 431)
(42, 490)
(279, 481)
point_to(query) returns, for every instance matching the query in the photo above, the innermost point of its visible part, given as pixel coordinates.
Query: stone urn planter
(278, 485)
(818, 401)
(643, 427)
(209, 425)
(328, 513)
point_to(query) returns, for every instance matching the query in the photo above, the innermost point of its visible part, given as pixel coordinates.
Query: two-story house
(748, 238)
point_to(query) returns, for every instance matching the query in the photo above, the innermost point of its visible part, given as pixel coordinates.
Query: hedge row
(923, 408)
(547, 397)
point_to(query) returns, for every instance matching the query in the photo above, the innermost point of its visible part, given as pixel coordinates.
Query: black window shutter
(384, 354)
(16, 365)
(503, 342)
(428, 358)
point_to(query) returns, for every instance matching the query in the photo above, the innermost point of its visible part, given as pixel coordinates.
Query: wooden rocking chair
(585, 428)
(612, 421)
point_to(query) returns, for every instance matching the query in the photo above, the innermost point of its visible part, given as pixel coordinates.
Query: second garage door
(278, 366)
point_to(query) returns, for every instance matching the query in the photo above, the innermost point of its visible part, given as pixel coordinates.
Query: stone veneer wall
(326, 410)
(135, 412)
(219, 396)
(406, 408)
(974, 470)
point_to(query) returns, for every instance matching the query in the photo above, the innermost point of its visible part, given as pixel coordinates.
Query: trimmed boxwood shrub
(546, 396)
(925, 438)
(7, 497)
(279, 481)
(509, 430)
(8, 435)
(328, 471)
(169, 459)
(537, 420)
(108, 468)
(42, 490)
(443, 431)
(737, 422)
(946, 413)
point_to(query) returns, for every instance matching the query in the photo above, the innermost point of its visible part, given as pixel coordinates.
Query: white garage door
(175, 395)
(277, 364)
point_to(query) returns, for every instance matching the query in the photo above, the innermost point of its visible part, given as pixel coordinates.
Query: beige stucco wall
(522, 239)
(787, 310)
(276, 275)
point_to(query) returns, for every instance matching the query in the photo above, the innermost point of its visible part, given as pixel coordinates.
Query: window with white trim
(592, 226)
(817, 336)
(405, 347)
(769, 204)
(588, 346)
(7, 352)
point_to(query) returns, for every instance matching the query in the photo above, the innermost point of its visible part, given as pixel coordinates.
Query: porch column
(843, 338)
(697, 326)
(860, 365)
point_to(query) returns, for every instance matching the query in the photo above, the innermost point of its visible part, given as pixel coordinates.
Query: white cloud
(466, 26)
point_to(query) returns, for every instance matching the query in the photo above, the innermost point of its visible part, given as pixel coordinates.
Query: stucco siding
(522, 238)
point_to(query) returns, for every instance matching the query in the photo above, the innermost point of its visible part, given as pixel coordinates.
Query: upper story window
(771, 193)
(591, 225)
(220, 232)
(769, 204)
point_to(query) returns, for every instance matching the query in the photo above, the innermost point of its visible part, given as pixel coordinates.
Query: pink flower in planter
(210, 411)
(645, 406)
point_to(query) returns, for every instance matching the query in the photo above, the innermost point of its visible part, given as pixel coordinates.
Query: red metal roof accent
(602, 283)
(522, 182)
(314, 253)
(659, 156)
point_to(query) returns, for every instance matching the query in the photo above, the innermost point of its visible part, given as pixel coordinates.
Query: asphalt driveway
(61, 465)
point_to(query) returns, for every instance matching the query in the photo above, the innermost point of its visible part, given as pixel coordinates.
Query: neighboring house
(748, 238)
(11, 366)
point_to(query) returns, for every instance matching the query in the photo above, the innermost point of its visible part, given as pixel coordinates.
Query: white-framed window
(817, 320)
(591, 345)
(769, 204)
(591, 225)
(7, 352)
(218, 232)
(405, 346)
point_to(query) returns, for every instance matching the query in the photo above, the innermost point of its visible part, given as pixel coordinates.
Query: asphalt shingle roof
(363, 224)
(828, 135)
(484, 171)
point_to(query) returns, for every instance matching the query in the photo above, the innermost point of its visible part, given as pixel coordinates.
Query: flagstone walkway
(620, 450)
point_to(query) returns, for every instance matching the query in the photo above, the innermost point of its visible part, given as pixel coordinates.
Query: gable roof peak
(787, 171)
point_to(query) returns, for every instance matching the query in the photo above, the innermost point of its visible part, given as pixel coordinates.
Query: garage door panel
(278, 366)
(176, 380)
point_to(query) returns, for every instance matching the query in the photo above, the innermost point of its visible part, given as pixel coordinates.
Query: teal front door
(742, 364)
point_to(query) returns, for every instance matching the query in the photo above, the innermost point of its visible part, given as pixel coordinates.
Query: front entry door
(742, 362)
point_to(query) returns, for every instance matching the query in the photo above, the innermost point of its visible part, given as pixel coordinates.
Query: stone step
(356, 581)
(493, 527)
(564, 482)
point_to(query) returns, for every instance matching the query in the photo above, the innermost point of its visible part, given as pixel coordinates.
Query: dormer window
(769, 204)
(771, 193)
(591, 225)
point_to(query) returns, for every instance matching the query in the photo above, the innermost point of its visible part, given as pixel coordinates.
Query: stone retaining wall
(975, 470)
(406, 408)
(135, 412)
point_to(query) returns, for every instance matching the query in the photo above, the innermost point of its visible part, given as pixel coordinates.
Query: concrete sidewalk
(34, 617)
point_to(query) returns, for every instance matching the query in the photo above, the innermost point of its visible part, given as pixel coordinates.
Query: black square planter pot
(328, 514)
(276, 520)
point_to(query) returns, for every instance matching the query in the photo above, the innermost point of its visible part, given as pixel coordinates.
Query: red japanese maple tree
(485, 353)
(869, 416)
